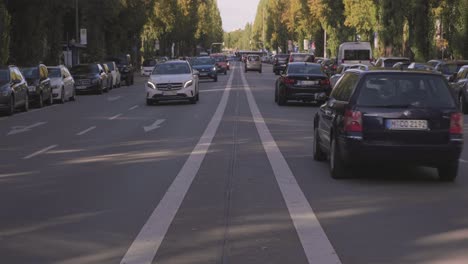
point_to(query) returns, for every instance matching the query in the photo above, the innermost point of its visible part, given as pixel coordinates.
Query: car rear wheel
(193, 100)
(337, 165)
(62, 96)
(319, 155)
(448, 171)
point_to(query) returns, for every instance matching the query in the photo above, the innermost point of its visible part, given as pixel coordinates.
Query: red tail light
(324, 82)
(352, 121)
(288, 81)
(456, 123)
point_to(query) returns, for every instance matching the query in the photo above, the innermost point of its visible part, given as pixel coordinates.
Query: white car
(172, 80)
(62, 83)
(148, 66)
(116, 82)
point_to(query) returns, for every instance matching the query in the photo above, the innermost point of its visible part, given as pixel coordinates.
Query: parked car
(460, 86)
(389, 118)
(280, 62)
(301, 57)
(253, 63)
(89, 78)
(329, 66)
(388, 62)
(206, 67)
(448, 68)
(173, 80)
(148, 66)
(63, 84)
(402, 65)
(302, 82)
(13, 90)
(108, 77)
(114, 71)
(125, 66)
(40, 91)
(221, 62)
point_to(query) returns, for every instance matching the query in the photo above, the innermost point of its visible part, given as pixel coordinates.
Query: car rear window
(254, 58)
(405, 90)
(149, 63)
(304, 69)
(357, 55)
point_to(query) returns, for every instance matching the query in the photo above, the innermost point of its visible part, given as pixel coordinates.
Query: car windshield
(30, 73)
(204, 61)
(54, 72)
(305, 69)
(254, 58)
(149, 63)
(171, 68)
(357, 55)
(4, 76)
(84, 69)
(401, 90)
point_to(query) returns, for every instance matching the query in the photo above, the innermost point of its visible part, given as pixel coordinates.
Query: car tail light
(456, 123)
(324, 82)
(353, 121)
(289, 80)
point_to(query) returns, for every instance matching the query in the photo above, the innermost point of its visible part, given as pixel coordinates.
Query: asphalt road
(107, 179)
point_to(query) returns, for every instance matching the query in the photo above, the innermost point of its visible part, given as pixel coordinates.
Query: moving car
(13, 90)
(115, 74)
(448, 68)
(172, 80)
(63, 84)
(389, 118)
(148, 66)
(280, 61)
(355, 52)
(460, 86)
(221, 62)
(301, 57)
(302, 81)
(388, 62)
(39, 87)
(253, 63)
(206, 67)
(89, 78)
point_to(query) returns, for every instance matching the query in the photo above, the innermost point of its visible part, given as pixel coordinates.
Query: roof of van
(356, 43)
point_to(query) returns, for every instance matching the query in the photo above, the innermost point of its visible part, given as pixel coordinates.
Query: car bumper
(88, 88)
(182, 94)
(358, 151)
(306, 93)
(208, 75)
(279, 67)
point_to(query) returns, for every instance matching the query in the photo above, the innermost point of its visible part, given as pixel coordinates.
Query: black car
(448, 68)
(302, 81)
(206, 66)
(13, 90)
(89, 78)
(460, 86)
(124, 63)
(390, 118)
(280, 62)
(40, 90)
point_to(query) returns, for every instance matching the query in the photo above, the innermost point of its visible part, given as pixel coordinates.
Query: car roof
(174, 61)
(304, 63)
(394, 58)
(393, 71)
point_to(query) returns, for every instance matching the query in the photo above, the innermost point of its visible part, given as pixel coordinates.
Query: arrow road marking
(154, 126)
(21, 129)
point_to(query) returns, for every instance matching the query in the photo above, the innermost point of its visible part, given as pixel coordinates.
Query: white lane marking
(133, 107)
(317, 247)
(154, 126)
(21, 129)
(85, 131)
(111, 99)
(115, 117)
(464, 161)
(148, 241)
(40, 152)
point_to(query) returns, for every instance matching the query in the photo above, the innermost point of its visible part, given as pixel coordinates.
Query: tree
(4, 34)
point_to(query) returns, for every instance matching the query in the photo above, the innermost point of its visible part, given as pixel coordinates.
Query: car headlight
(214, 68)
(151, 85)
(188, 83)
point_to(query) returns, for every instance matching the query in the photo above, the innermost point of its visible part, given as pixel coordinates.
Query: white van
(355, 52)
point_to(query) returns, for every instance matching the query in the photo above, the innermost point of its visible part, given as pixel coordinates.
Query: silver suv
(253, 63)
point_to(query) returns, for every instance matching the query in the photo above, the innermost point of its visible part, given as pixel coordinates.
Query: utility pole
(325, 44)
(77, 29)
(263, 28)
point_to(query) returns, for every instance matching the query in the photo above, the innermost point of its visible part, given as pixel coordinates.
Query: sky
(236, 13)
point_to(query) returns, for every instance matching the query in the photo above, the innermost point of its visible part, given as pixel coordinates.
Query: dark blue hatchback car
(390, 117)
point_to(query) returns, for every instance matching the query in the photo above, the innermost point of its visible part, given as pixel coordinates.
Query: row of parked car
(41, 85)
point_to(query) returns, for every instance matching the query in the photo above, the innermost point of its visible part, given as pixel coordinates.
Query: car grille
(169, 86)
(83, 82)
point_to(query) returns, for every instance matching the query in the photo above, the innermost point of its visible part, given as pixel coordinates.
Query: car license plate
(406, 124)
(305, 83)
(170, 93)
(203, 74)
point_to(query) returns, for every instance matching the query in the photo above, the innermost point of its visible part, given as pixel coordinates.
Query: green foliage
(4, 36)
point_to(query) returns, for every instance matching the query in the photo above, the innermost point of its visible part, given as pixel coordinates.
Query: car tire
(463, 104)
(11, 110)
(193, 100)
(198, 97)
(318, 153)
(40, 101)
(73, 97)
(337, 165)
(281, 100)
(260, 71)
(276, 95)
(448, 171)
(149, 102)
(26, 103)
(215, 79)
(225, 72)
(62, 96)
